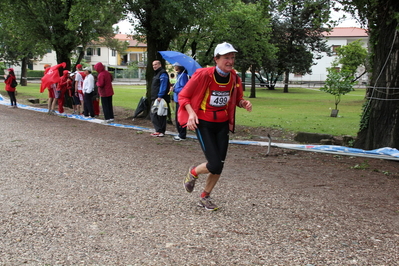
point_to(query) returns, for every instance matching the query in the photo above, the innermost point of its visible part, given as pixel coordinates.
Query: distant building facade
(338, 37)
(136, 53)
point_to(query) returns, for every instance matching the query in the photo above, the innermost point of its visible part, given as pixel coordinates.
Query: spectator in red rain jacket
(61, 90)
(10, 79)
(105, 90)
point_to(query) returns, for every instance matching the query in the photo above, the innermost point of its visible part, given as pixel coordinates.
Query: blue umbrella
(188, 62)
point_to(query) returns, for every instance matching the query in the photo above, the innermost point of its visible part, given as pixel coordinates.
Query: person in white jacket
(88, 92)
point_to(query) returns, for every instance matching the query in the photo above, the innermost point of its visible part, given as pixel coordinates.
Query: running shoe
(207, 204)
(177, 138)
(157, 134)
(189, 181)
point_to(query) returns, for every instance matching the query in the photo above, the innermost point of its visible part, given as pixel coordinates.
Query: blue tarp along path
(381, 153)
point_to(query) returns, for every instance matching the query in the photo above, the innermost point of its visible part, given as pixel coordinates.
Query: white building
(137, 52)
(340, 36)
(94, 53)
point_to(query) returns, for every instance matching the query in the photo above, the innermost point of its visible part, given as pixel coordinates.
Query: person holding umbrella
(184, 60)
(181, 81)
(207, 105)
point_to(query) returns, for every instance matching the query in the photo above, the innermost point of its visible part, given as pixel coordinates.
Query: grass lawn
(305, 110)
(301, 109)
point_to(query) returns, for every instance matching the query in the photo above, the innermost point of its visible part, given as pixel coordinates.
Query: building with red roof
(338, 37)
(136, 53)
(113, 60)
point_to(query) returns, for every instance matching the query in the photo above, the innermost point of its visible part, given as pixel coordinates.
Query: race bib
(219, 98)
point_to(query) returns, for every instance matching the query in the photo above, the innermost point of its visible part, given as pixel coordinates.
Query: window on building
(98, 51)
(334, 49)
(89, 51)
(113, 53)
(134, 57)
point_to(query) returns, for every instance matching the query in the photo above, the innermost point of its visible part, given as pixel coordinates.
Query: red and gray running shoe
(189, 181)
(207, 204)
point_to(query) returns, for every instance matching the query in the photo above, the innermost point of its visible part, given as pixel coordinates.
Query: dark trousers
(159, 122)
(13, 100)
(214, 140)
(88, 104)
(108, 110)
(182, 130)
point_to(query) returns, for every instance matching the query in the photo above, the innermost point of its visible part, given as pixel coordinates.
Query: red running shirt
(214, 104)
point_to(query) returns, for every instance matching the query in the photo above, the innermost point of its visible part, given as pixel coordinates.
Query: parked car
(259, 79)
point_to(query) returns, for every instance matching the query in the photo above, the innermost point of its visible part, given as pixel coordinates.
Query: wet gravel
(78, 193)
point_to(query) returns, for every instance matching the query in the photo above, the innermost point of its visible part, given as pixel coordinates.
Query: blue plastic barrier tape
(381, 153)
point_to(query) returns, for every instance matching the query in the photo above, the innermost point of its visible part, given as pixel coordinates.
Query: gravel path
(78, 193)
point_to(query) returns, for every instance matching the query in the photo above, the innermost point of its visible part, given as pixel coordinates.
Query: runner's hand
(247, 105)
(192, 121)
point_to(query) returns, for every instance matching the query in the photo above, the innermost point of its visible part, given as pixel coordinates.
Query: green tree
(342, 75)
(15, 48)
(200, 37)
(298, 27)
(350, 57)
(161, 21)
(65, 24)
(250, 31)
(338, 83)
(250, 36)
(379, 125)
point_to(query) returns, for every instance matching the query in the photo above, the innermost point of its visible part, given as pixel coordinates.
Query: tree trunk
(243, 71)
(379, 126)
(24, 64)
(80, 57)
(63, 56)
(194, 45)
(253, 90)
(286, 80)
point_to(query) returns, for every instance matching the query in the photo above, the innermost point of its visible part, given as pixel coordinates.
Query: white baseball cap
(224, 48)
